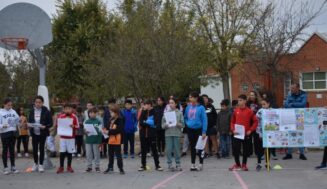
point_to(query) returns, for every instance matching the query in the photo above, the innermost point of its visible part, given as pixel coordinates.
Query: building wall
(311, 57)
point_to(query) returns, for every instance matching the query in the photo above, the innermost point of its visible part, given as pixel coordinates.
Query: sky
(49, 6)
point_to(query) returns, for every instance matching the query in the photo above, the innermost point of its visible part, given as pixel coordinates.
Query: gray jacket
(177, 130)
(223, 121)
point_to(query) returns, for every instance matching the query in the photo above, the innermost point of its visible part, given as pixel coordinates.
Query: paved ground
(296, 174)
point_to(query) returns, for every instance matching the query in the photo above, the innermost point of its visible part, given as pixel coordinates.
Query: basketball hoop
(19, 43)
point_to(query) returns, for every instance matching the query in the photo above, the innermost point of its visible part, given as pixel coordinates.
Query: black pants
(161, 141)
(69, 159)
(193, 136)
(38, 144)
(129, 138)
(324, 159)
(79, 143)
(146, 144)
(237, 144)
(251, 145)
(8, 144)
(115, 150)
(258, 147)
(22, 139)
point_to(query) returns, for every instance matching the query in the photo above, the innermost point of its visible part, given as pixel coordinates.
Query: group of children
(197, 120)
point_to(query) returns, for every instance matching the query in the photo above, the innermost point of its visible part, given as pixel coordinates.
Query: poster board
(300, 127)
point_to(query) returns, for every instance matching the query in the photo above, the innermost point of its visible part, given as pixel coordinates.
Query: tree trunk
(225, 80)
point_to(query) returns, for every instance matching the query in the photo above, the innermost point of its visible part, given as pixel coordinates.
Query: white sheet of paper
(90, 129)
(200, 145)
(33, 125)
(171, 118)
(8, 128)
(240, 130)
(311, 136)
(287, 120)
(64, 128)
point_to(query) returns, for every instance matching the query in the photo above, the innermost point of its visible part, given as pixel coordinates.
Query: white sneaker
(19, 155)
(79, 155)
(41, 169)
(200, 167)
(14, 170)
(27, 155)
(35, 168)
(6, 171)
(73, 155)
(193, 168)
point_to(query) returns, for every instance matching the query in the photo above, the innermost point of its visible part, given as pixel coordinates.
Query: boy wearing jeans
(242, 116)
(223, 126)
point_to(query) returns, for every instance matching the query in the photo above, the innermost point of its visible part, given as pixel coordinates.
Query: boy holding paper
(244, 119)
(67, 140)
(93, 140)
(173, 133)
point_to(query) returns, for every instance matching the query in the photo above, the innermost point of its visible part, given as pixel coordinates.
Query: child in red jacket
(242, 116)
(67, 143)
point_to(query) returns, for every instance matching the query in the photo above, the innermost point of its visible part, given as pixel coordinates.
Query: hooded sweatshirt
(196, 118)
(11, 119)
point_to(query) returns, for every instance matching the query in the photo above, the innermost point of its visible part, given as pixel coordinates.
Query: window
(256, 86)
(245, 87)
(314, 80)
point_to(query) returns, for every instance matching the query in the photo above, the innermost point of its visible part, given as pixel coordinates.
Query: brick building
(307, 66)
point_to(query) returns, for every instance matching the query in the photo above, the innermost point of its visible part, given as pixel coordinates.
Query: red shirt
(75, 124)
(245, 117)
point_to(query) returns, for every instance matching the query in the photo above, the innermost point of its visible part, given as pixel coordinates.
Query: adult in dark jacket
(211, 130)
(158, 114)
(148, 134)
(42, 119)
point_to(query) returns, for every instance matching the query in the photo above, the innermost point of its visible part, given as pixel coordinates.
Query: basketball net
(18, 43)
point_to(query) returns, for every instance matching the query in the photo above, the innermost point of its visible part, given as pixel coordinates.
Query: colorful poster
(302, 127)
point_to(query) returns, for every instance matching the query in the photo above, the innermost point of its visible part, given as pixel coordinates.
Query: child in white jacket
(9, 120)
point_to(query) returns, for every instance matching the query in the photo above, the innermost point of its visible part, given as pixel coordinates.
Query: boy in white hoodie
(9, 120)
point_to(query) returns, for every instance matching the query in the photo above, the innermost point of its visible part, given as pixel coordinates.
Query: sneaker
(142, 168)
(88, 170)
(171, 168)
(6, 171)
(79, 155)
(274, 158)
(27, 155)
(132, 156)
(321, 167)
(122, 172)
(235, 167)
(125, 156)
(158, 168)
(200, 167)
(14, 170)
(148, 155)
(302, 157)
(41, 169)
(97, 169)
(60, 170)
(218, 156)
(19, 155)
(108, 171)
(70, 169)
(193, 168)
(183, 154)
(179, 168)
(244, 167)
(73, 155)
(288, 156)
(35, 168)
(258, 168)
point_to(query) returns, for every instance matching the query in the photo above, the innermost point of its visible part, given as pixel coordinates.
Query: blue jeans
(224, 144)
(290, 151)
(129, 138)
(173, 146)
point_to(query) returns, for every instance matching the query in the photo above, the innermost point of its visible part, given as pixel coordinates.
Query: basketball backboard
(24, 26)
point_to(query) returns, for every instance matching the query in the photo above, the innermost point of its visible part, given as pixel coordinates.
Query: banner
(302, 127)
